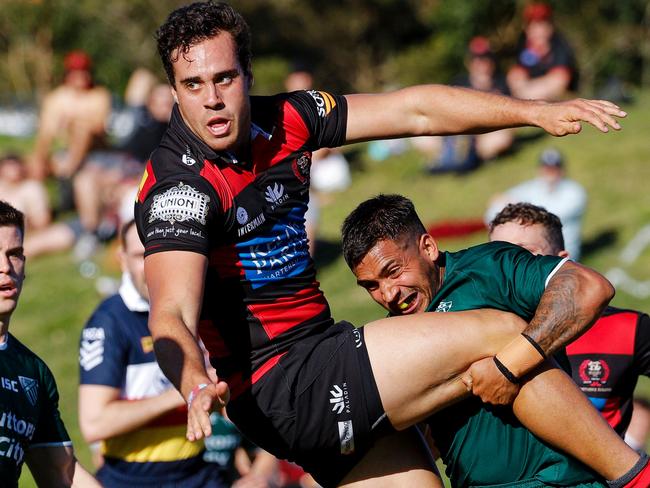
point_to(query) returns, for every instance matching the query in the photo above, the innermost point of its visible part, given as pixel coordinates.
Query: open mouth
(219, 126)
(8, 290)
(409, 304)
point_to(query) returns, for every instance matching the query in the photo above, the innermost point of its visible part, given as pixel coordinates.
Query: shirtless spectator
(108, 174)
(27, 195)
(546, 66)
(74, 115)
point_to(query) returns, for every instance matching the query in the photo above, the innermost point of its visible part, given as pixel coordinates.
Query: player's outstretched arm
(440, 110)
(175, 280)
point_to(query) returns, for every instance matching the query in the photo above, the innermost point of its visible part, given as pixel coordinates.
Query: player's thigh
(416, 359)
(397, 460)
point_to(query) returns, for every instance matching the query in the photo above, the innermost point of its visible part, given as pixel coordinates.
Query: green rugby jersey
(29, 412)
(483, 445)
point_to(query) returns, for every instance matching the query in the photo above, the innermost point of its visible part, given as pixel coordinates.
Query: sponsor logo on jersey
(346, 436)
(242, 215)
(324, 101)
(147, 344)
(10, 421)
(180, 203)
(187, 158)
(358, 341)
(301, 166)
(444, 306)
(594, 373)
(91, 351)
(339, 399)
(275, 195)
(252, 225)
(280, 253)
(30, 387)
(9, 384)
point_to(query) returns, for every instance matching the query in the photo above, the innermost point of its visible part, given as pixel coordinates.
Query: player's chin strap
(637, 477)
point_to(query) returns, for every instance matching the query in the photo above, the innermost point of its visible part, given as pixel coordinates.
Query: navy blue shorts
(318, 407)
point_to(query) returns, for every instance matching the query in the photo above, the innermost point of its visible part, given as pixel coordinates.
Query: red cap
(77, 60)
(479, 46)
(537, 12)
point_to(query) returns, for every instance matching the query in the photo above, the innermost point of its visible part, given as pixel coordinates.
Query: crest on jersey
(30, 387)
(594, 373)
(444, 306)
(301, 166)
(179, 204)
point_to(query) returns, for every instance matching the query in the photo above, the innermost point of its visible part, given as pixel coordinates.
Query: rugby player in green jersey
(400, 265)
(31, 429)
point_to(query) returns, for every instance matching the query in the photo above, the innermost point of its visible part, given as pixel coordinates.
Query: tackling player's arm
(103, 415)
(439, 110)
(572, 301)
(57, 467)
(175, 280)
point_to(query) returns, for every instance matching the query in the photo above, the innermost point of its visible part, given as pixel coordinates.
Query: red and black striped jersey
(247, 217)
(607, 360)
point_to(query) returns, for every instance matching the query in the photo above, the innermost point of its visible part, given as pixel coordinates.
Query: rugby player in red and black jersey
(607, 360)
(221, 213)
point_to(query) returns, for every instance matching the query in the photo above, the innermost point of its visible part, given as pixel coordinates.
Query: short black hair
(194, 23)
(528, 214)
(384, 217)
(9, 216)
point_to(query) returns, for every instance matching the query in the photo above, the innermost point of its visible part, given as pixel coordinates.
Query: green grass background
(613, 167)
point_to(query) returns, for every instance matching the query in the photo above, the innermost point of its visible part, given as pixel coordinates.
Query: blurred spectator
(107, 174)
(553, 191)
(125, 400)
(546, 66)
(27, 195)
(464, 153)
(75, 112)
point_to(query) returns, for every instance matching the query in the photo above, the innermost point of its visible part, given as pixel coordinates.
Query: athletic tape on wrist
(535, 345)
(506, 372)
(195, 391)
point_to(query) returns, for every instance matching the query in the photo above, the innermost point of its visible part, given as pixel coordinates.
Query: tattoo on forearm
(563, 311)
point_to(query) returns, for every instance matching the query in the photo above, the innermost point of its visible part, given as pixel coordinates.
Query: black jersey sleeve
(325, 116)
(642, 345)
(177, 214)
(50, 430)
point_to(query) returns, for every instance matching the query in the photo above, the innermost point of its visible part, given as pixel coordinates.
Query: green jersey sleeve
(523, 277)
(50, 430)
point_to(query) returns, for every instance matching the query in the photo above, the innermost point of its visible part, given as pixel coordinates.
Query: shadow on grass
(600, 241)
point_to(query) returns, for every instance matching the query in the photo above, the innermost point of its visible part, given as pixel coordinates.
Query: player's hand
(562, 118)
(251, 480)
(213, 396)
(484, 380)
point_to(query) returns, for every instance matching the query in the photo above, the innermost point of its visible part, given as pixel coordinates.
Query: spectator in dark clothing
(465, 153)
(546, 66)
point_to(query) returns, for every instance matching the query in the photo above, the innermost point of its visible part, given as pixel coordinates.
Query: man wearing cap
(555, 192)
(546, 65)
(74, 112)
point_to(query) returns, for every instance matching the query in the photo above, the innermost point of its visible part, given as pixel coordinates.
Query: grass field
(614, 168)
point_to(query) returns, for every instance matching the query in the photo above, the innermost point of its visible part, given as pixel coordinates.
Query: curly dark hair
(528, 214)
(194, 23)
(9, 216)
(382, 217)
